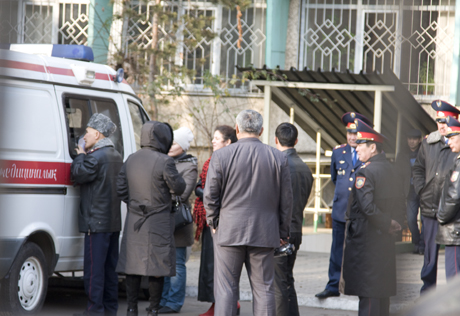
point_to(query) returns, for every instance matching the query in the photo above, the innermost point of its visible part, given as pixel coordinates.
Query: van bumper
(9, 248)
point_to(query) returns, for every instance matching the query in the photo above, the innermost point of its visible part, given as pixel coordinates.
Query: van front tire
(24, 290)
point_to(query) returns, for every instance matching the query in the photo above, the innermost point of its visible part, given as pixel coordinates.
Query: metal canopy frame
(269, 85)
(319, 99)
(381, 97)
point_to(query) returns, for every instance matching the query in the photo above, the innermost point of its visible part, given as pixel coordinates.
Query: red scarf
(199, 213)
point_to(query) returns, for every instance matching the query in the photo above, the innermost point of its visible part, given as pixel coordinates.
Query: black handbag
(182, 214)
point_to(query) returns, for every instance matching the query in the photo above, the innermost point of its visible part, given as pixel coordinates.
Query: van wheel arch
(45, 242)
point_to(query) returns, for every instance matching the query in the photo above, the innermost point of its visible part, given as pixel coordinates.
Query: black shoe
(326, 294)
(131, 312)
(152, 313)
(166, 310)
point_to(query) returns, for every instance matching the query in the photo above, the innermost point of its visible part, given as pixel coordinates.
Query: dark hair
(378, 146)
(286, 134)
(227, 132)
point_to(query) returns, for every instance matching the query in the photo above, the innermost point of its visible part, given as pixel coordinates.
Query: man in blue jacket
(344, 163)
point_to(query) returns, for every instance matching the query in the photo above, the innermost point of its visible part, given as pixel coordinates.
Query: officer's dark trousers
(452, 261)
(285, 294)
(430, 262)
(335, 260)
(369, 306)
(100, 277)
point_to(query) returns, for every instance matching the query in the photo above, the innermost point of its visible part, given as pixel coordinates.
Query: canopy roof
(321, 98)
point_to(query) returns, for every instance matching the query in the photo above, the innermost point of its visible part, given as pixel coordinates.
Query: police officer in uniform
(373, 215)
(433, 162)
(449, 213)
(344, 162)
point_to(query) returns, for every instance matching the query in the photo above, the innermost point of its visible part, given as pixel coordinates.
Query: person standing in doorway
(344, 163)
(404, 163)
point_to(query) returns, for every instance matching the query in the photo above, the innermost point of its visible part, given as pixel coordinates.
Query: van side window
(138, 118)
(78, 111)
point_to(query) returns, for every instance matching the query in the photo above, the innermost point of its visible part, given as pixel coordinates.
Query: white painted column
(399, 138)
(267, 101)
(378, 110)
(317, 181)
(291, 116)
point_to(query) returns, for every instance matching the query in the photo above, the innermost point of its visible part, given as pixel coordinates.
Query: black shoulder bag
(182, 213)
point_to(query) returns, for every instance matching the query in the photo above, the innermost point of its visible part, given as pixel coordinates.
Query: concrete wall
(201, 114)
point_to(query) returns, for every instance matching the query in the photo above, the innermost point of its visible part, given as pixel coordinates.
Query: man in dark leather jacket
(99, 219)
(301, 182)
(448, 213)
(430, 168)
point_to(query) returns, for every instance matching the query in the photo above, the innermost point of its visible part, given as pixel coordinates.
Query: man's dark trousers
(335, 261)
(413, 204)
(430, 262)
(285, 294)
(100, 277)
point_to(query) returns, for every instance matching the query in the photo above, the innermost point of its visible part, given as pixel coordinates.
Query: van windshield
(78, 111)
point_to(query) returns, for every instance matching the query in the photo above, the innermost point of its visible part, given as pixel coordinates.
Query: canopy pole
(291, 116)
(317, 182)
(378, 110)
(267, 101)
(399, 138)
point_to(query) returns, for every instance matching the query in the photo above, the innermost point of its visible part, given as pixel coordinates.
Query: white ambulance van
(45, 104)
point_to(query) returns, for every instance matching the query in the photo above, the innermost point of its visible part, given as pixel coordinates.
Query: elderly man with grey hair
(248, 202)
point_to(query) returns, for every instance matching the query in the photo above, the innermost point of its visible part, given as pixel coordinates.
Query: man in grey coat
(248, 202)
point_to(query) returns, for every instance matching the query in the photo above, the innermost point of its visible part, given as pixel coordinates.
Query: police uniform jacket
(433, 162)
(369, 264)
(343, 176)
(449, 208)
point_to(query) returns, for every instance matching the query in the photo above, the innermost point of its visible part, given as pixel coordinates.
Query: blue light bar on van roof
(76, 52)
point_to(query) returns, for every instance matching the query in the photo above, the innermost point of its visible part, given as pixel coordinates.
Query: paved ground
(66, 302)
(311, 277)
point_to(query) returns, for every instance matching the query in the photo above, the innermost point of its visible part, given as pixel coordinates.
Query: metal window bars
(413, 38)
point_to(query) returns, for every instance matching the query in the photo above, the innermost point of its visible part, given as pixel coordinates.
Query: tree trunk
(152, 64)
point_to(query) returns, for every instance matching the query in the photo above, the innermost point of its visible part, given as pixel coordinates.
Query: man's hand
(394, 227)
(80, 150)
(284, 242)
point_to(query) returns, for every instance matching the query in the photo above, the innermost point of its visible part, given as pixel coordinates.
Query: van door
(77, 106)
(138, 118)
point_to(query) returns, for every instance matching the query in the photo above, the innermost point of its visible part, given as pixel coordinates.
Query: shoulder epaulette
(366, 164)
(458, 157)
(339, 146)
(426, 136)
